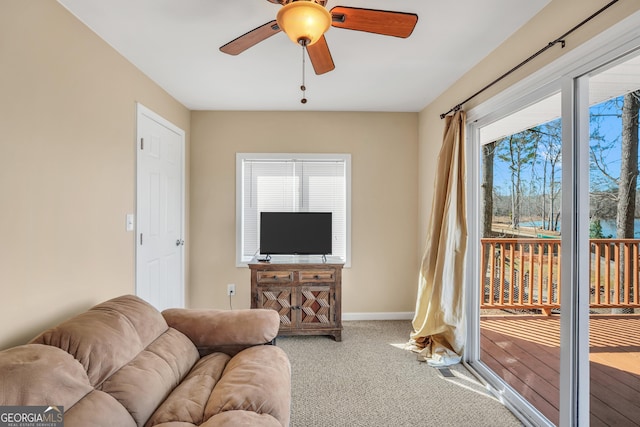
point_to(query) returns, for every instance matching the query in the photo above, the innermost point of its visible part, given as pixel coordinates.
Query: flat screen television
(295, 233)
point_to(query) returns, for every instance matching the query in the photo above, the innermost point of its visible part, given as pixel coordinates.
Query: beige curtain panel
(438, 324)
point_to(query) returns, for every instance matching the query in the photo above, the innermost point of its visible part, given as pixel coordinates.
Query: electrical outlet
(231, 289)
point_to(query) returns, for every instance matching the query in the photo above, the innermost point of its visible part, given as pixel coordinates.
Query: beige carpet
(368, 379)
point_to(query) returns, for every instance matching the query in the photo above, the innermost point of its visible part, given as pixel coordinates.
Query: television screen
(295, 233)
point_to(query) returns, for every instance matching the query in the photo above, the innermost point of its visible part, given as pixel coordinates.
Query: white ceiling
(175, 43)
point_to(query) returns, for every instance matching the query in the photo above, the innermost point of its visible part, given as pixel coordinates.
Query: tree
(488, 154)
(550, 153)
(603, 185)
(606, 189)
(628, 176)
(628, 167)
(595, 230)
(518, 150)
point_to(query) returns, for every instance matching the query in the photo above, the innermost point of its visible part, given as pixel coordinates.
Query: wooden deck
(525, 352)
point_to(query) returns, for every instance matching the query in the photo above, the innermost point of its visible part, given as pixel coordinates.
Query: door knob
(179, 242)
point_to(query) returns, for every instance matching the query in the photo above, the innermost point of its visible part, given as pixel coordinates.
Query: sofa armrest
(228, 331)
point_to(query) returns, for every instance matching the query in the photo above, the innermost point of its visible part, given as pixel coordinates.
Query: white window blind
(291, 183)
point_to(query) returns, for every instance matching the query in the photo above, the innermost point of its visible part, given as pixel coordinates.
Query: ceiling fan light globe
(304, 20)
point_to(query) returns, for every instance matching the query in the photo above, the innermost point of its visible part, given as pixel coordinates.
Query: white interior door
(160, 211)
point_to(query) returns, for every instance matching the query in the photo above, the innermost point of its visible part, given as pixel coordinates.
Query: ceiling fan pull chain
(303, 88)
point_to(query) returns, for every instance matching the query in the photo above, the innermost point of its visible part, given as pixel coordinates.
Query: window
(291, 183)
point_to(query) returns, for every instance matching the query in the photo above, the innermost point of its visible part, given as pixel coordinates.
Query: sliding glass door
(614, 233)
(520, 252)
(554, 289)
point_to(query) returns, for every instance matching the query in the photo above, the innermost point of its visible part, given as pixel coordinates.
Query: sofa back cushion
(108, 336)
(144, 383)
(41, 375)
(130, 355)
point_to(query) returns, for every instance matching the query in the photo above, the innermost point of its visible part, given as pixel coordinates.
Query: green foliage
(595, 230)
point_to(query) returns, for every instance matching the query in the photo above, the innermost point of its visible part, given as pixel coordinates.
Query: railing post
(492, 271)
(521, 273)
(540, 273)
(531, 270)
(635, 273)
(482, 272)
(607, 274)
(616, 274)
(595, 266)
(501, 276)
(512, 272)
(550, 273)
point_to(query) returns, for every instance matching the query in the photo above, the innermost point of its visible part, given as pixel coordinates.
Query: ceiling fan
(306, 21)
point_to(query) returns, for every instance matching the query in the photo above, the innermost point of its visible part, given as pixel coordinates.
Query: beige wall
(384, 148)
(554, 20)
(67, 166)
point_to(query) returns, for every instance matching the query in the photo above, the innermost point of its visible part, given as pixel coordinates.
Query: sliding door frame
(568, 75)
(574, 320)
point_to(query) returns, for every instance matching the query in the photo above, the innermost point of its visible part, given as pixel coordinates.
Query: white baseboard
(406, 315)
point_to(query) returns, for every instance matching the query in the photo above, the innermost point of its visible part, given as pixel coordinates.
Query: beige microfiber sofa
(123, 363)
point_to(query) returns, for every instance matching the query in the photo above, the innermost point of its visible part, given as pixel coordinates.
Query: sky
(606, 129)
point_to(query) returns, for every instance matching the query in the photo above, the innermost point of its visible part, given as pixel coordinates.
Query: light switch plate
(130, 222)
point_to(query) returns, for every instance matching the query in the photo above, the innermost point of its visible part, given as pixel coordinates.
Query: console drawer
(312, 276)
(266, 276)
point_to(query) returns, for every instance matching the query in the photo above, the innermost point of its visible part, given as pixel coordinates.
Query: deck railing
(525, 273)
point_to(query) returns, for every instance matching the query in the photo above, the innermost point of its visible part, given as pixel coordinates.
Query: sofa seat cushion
(231, 419)
(241, 419)
(256, 380)
(186, 403)
(98, 409)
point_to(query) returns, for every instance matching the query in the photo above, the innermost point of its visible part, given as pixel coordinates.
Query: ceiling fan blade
(397, 24)
(253, 37)
(320, 56)
(281, 2)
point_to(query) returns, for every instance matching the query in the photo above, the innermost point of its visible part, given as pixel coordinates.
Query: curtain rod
(560, 40)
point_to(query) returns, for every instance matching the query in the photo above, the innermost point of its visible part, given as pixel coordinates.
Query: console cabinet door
(316, 307)
(280, 299)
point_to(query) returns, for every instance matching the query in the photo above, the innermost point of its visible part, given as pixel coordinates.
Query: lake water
(608, 227)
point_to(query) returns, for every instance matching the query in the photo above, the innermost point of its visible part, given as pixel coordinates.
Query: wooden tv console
(306, 294)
